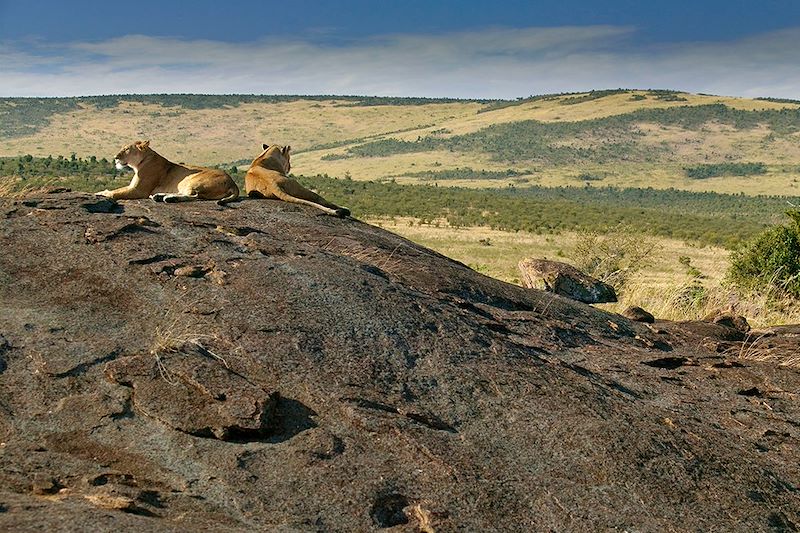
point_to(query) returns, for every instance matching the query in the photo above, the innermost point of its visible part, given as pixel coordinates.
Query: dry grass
(664, 287)
(10, 187)
(210, 136)
(214, 136)
(758, 346)
(367, 254)
(423, 518)
(176, 333)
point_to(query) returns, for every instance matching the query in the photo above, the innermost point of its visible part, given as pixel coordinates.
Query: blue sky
(500, 49)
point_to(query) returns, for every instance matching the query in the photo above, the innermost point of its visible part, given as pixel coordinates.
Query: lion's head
(274, 158)
(132, 154)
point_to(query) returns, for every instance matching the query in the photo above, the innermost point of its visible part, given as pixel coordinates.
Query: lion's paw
(107, 193)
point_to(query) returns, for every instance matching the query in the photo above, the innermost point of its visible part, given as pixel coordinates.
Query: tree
(771, 261)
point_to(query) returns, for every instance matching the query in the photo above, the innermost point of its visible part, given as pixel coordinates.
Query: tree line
(705, 218)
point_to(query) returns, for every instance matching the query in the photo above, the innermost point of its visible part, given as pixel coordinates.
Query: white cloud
(490, 63)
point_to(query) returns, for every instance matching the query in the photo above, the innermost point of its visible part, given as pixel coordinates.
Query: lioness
(267, 178)
(165, 181)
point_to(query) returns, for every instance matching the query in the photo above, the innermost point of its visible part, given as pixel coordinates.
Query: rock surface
(565, 280)
(318, 374)
(192, 390)
(637, 314)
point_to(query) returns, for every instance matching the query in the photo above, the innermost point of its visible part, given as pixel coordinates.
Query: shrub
(771, 261)
(614, 257)
(725, 169)
(334, 157)
(587, 176)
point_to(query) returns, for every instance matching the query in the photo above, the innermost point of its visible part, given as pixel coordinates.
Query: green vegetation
(770, 263)
(615, 256)
(345, 142)
(706, 218)
(573, 98)
(27, 166)
(700, 172)
(592, 95)
(779, 100)
(503, 104)
(578, 98)
(587, 176)
(614, 136)
(367, 101)
(525, 140)
(465, 173)
(666, 95)
(25, 116)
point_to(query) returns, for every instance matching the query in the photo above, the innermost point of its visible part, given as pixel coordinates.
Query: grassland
(663, 284)
(705, 218)
(627, 138)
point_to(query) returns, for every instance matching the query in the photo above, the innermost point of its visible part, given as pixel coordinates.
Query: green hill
(622, 138)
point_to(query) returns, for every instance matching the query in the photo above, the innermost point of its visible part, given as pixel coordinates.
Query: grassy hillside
(621, 138)
(705, 218)
(675, 281)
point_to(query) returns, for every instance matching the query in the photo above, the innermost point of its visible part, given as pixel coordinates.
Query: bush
(614, 257)
(725, 169)
(770, 263)
(586, 176)
(334, 157)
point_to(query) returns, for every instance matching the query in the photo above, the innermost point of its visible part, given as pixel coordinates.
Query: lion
(164, 181)
(267, 178)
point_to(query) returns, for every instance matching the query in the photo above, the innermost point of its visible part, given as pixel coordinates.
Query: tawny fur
(267, 178)
(162, 180)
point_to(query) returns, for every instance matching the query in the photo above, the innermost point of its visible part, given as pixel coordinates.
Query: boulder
(565, 280)
(729, 319)
(638, 314)
(343, 378)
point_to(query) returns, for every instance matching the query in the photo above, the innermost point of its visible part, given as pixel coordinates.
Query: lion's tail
(233, 196)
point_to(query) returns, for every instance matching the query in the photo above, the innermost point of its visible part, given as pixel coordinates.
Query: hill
(263, 367)
(623, 138)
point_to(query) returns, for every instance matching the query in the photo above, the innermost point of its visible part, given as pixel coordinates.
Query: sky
(432, 48)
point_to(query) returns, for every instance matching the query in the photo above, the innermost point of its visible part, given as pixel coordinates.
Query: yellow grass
(217, 136)
(210, 136)
(659, 288)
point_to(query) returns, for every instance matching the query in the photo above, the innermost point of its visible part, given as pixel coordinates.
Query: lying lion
(267, 178)
(165, 181)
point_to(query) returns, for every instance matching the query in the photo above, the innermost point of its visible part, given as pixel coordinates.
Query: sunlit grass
(663, 287)
(226, 134)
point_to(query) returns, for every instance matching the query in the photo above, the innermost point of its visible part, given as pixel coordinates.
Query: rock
(191, 271)
(565, 280)
(732, 321)
(638, 314)
(190, 390)
(5, 346)
(44, 484)
(415, 393)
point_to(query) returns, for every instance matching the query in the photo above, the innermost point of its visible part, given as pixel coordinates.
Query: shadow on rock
(291, 418)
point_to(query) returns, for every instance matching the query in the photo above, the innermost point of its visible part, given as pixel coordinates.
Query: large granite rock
(261, 367)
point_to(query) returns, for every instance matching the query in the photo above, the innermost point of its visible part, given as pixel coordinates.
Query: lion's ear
(286, 149)
(264, 146)
(144, 144)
